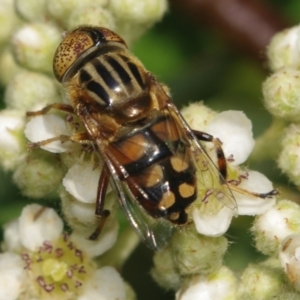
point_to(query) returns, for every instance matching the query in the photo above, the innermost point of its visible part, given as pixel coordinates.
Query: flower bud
(39, 175)
(61, 10)
(261, 281)
(133, 18)
(165, 272)
(9, 67)
(197, 115)
(281, 93)
(12, 142)
(91, 15)
(194, 253)
(29, 91)
(221, 285)
(289, 256)
(289, 159)
(34, 46)
(8, 20)
(284, 49)
(273, 226)
(32, 10)
(141, 12)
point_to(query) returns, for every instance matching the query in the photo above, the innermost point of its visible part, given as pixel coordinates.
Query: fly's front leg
(101, 193)
(80, 137)
(59, 106)
(222, 165)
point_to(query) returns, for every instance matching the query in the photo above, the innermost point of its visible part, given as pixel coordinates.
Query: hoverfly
(153, 158)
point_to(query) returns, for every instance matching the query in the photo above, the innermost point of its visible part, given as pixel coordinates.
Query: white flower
(12, 276)
(234, 130)
(42, 262)
(213, 217)
(105, 284)
(46, 127)
(221, 285)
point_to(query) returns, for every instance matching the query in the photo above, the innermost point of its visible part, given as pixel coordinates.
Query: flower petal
(12, 239)
(12, 276)
(81, 181)
(106, 284)
(45, 127)
(212, 224)
(220, 285)
(234, 130)
(105, 241)
(250, 205)
(39, 224)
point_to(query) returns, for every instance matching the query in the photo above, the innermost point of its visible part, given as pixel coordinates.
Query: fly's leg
(77, 137)
(59, 106)
(222, 165)
(205, 137)
(80, 137)
(100, 211)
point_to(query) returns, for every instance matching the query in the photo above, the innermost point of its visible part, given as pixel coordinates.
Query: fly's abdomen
(170, 188)
(159, 170)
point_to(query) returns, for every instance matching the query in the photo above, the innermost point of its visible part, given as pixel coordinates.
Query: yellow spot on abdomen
(168, 199)
(186, 190)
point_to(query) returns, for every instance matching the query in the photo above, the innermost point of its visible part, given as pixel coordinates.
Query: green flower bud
(272, 227)
(197, 115)
(165, 272)
(141, 12)
(12, 142)
(32, 10)
(30, 90)
(289, 160)
(39, 175)
(34, 46)
(133, 17)
(194, 253)
(261, 281)
(8, 20)
(283, 50)
(9, 67)
(130, 293)
(61, 10)
(220, 285)
(91, 15)
(281, 93)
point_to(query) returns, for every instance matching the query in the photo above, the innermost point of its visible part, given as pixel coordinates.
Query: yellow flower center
(58, 269)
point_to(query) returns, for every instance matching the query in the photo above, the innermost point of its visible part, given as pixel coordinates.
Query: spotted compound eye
(78, 42)
(73, 46)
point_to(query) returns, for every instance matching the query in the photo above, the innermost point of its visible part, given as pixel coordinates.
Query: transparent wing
(155, 233)
(210, 183)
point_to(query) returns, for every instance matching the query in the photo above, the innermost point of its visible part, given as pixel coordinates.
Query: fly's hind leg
(100, 211)
(205, 137)
(222, 165)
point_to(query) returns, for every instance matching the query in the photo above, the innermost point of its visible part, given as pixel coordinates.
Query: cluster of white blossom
(43, 260)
